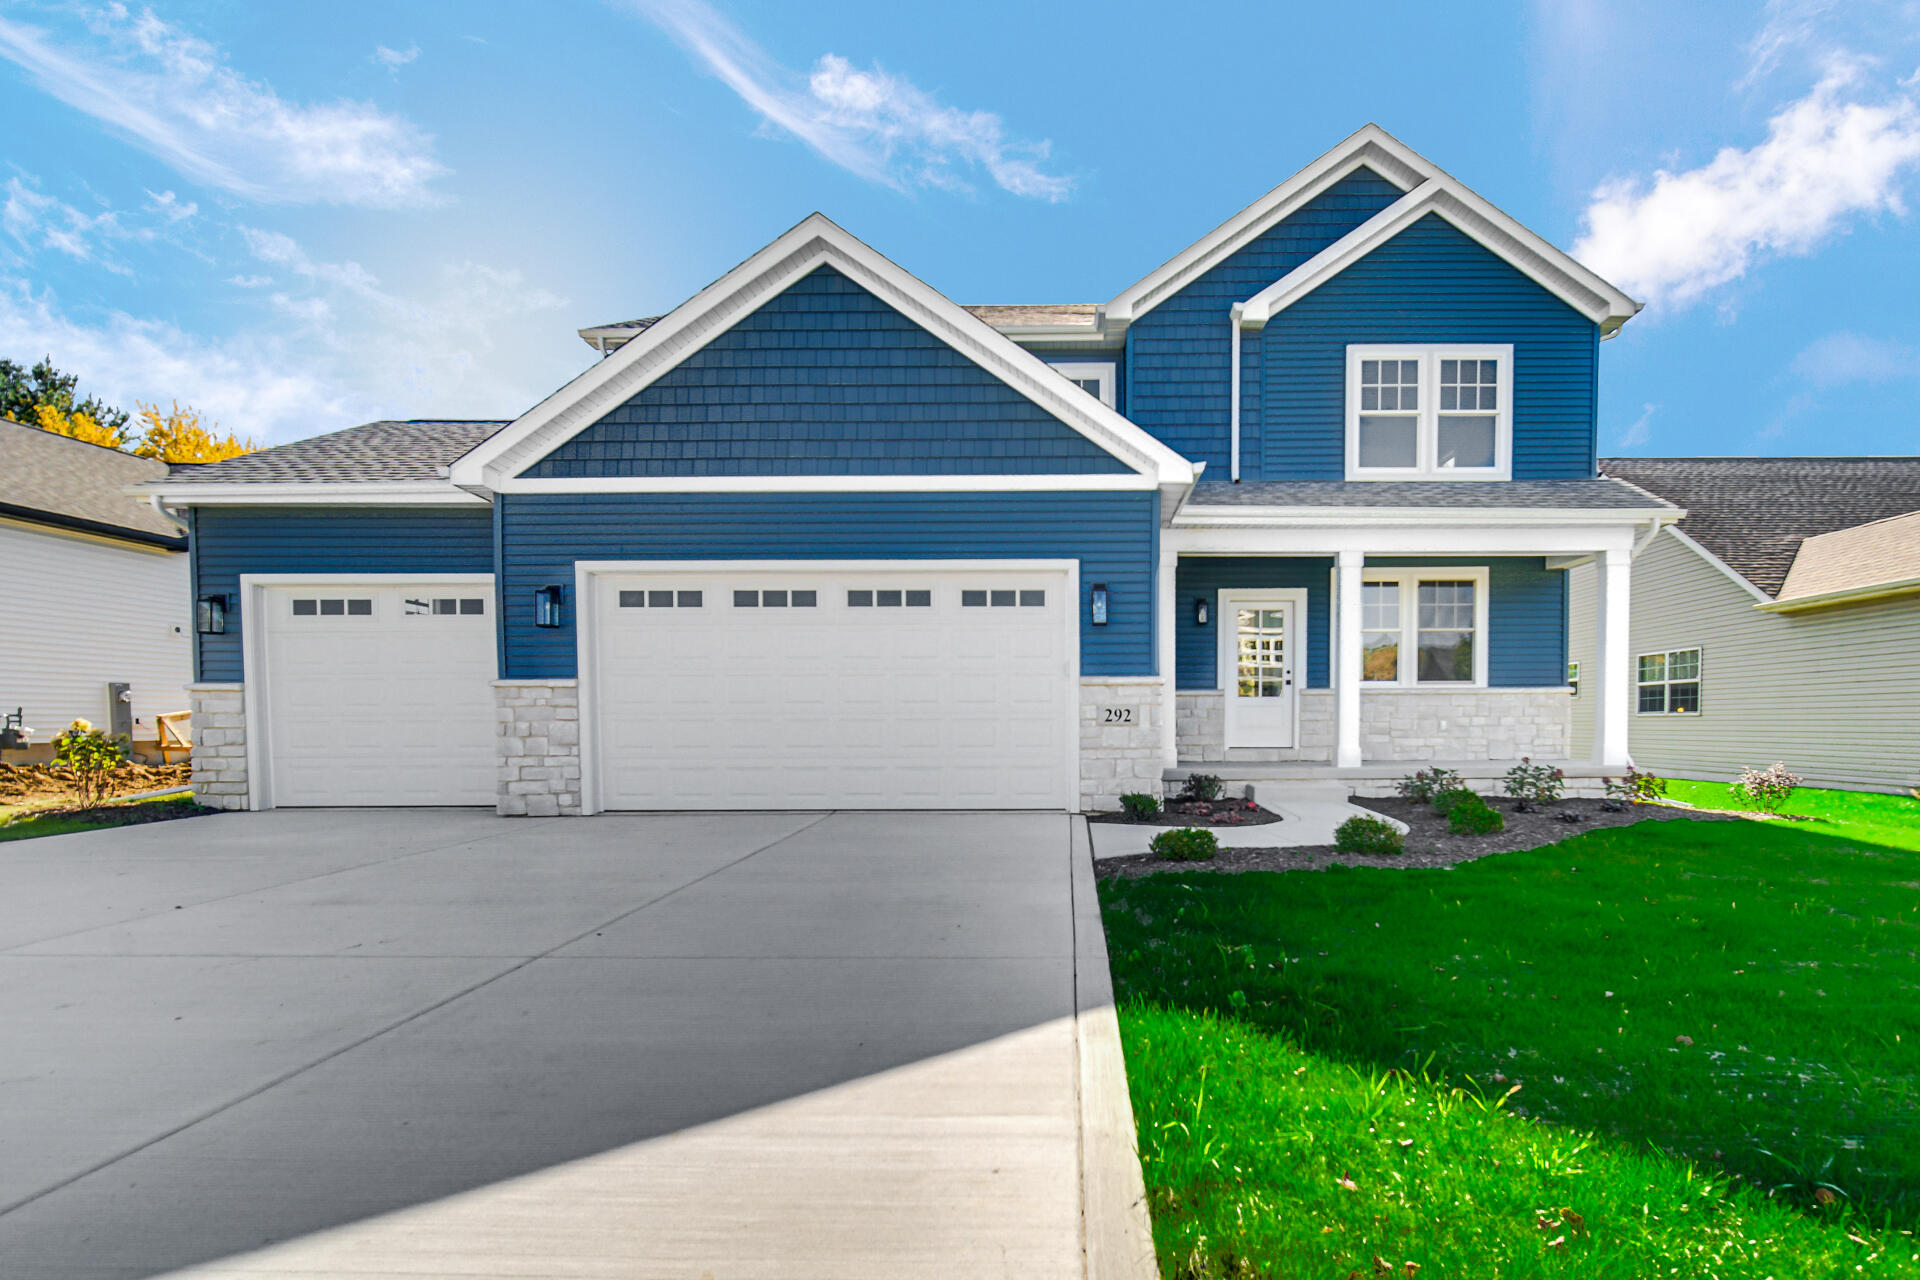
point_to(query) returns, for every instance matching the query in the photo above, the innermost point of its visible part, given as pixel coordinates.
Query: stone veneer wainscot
(219, 745)
(1124, 755)
(537, 727)
(1398, 724)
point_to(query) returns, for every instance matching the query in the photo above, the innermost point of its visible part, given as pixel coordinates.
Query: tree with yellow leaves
(180, 436)
(79, 425)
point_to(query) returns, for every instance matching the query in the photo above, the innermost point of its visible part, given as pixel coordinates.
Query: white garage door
(380, 695)
(788, 689)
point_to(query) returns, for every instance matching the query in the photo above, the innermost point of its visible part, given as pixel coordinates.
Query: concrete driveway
(431, 1043)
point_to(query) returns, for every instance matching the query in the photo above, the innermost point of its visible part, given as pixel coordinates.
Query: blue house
(1303, 499)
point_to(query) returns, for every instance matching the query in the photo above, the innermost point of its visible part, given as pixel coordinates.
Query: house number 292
(1116, 715)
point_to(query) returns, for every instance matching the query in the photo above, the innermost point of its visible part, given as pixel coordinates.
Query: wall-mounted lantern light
(1099, 604)
(547, 602)
(210, 615)
(1200, 611)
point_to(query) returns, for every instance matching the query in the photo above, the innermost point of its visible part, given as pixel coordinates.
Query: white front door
(1260, 653)
(904, 686)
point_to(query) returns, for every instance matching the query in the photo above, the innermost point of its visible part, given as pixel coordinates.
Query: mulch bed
(23, 783)
(1429, 841)
(1223, 812)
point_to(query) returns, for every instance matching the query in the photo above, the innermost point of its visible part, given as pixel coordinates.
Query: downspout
(1233, 402)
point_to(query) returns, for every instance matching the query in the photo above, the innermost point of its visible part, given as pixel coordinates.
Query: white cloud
(38, 221)
(1641, 429)
(1790, 25)
(250, 281)
(871, 123)
(170, 206)
(1827, 159)
(173, 94)
(394, 59)
(1846, 357)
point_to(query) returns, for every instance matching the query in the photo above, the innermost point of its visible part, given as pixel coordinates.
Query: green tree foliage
(23, 391)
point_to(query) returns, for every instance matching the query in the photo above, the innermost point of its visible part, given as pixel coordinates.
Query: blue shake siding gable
(1114, 536)
(826, 379)
(230, 541)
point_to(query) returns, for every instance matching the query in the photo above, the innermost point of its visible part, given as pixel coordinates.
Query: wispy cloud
(394, 59)
(38, 221)
(170, 206)
(1641, 429)
(870, 122)
(173, 94)
(1790, 26)
(1844, 357)
(1829, 158)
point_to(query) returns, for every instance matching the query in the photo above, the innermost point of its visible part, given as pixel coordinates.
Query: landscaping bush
(1530, 784)
(1201, 786)
(1185, 844)
(1423, 786)
(1368, 835)
(1768, 788)
(1635, 788)
(1444, 803)
(93, 756)
(1474, 817)
(1140, 806)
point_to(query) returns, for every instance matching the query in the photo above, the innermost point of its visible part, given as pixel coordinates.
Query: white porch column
(1613, 709)
(1168, 617)
(1346, 659)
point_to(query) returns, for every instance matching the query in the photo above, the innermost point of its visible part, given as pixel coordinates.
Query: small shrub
(1423, 786)
(1475, 817)
(1445, 803)
(1140, 806)
(1635, 788)
(1185, 844)
(93, 756)
(1368, 835)
(1530, 784)
(1201, 786)
(1768, 788)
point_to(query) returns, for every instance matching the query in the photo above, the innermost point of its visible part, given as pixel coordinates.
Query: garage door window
(889, 599)
(1003, 599)
(333, 608)
(661, 599)
(776, 599)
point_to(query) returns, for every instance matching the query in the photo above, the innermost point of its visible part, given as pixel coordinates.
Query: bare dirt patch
(37, 784)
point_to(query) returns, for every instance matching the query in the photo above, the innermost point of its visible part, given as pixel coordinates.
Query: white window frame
(1099, 370)
(1573, 677)
(1429, 357)
(1667, 681)
(1409, 580)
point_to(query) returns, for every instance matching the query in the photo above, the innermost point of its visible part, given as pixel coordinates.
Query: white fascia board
(1386, 539)
(1849, 595)
(365, 580)
(1733, 575)
(315, 493)
(1526, 252)
(1371, 147)
(1103, 481)
(1193, 517)
(815, 242)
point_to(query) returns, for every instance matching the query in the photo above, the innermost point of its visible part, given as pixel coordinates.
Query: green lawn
(26, 822)
(1714, 1029)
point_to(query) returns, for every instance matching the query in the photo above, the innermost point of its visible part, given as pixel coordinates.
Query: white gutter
(1233, 399)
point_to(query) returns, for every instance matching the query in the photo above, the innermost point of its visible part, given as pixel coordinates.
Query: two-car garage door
(788, 687)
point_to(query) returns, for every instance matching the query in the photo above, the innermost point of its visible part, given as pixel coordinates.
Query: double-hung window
(1424, 627)
(1430, 412)
(1670, 683)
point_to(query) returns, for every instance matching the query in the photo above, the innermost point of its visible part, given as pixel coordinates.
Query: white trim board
(315, 493)
(1429, 357)
(815, 242)
(1732, 573)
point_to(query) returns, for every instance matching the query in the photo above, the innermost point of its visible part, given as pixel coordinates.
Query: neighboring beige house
(96, 590)
(1779, 621)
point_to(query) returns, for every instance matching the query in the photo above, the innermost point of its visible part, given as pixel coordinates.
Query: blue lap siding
(1526, 614)
(1114, 536)
(1430, 284)
(1178, 357)
(826, 379)
(230, 541)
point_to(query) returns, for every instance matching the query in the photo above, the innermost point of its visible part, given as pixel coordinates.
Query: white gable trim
(1734, 575)
(1526, 252)
(496, 462)
(1371, 147)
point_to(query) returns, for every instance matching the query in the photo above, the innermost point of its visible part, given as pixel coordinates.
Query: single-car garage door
(787, 688)
(379, 695)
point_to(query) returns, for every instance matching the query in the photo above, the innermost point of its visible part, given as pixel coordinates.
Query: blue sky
(302, 217)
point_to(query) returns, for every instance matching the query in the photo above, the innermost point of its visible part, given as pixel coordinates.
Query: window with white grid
(1429, 412)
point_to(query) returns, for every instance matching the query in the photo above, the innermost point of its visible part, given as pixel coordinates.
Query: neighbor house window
(1573, 678)
(1095, 377)
(1429, 412)
(1670, 683)
(1424, 627)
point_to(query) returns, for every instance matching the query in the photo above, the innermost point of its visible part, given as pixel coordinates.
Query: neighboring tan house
(1779, 621)
(95, 589)
(821, 538)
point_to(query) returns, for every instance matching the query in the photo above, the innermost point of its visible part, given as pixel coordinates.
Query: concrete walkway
(410, 1043)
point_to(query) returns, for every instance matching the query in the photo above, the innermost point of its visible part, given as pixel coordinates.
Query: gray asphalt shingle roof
(78, 485)
(1597, 494)
(1754, 512)
(411, 450)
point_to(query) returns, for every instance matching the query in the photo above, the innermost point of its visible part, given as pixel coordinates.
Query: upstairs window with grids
(1429, 413)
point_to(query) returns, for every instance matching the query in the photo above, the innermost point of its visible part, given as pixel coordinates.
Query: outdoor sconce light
(1200, 611)
(1099, 604)
(546, 605)
(210, 615)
